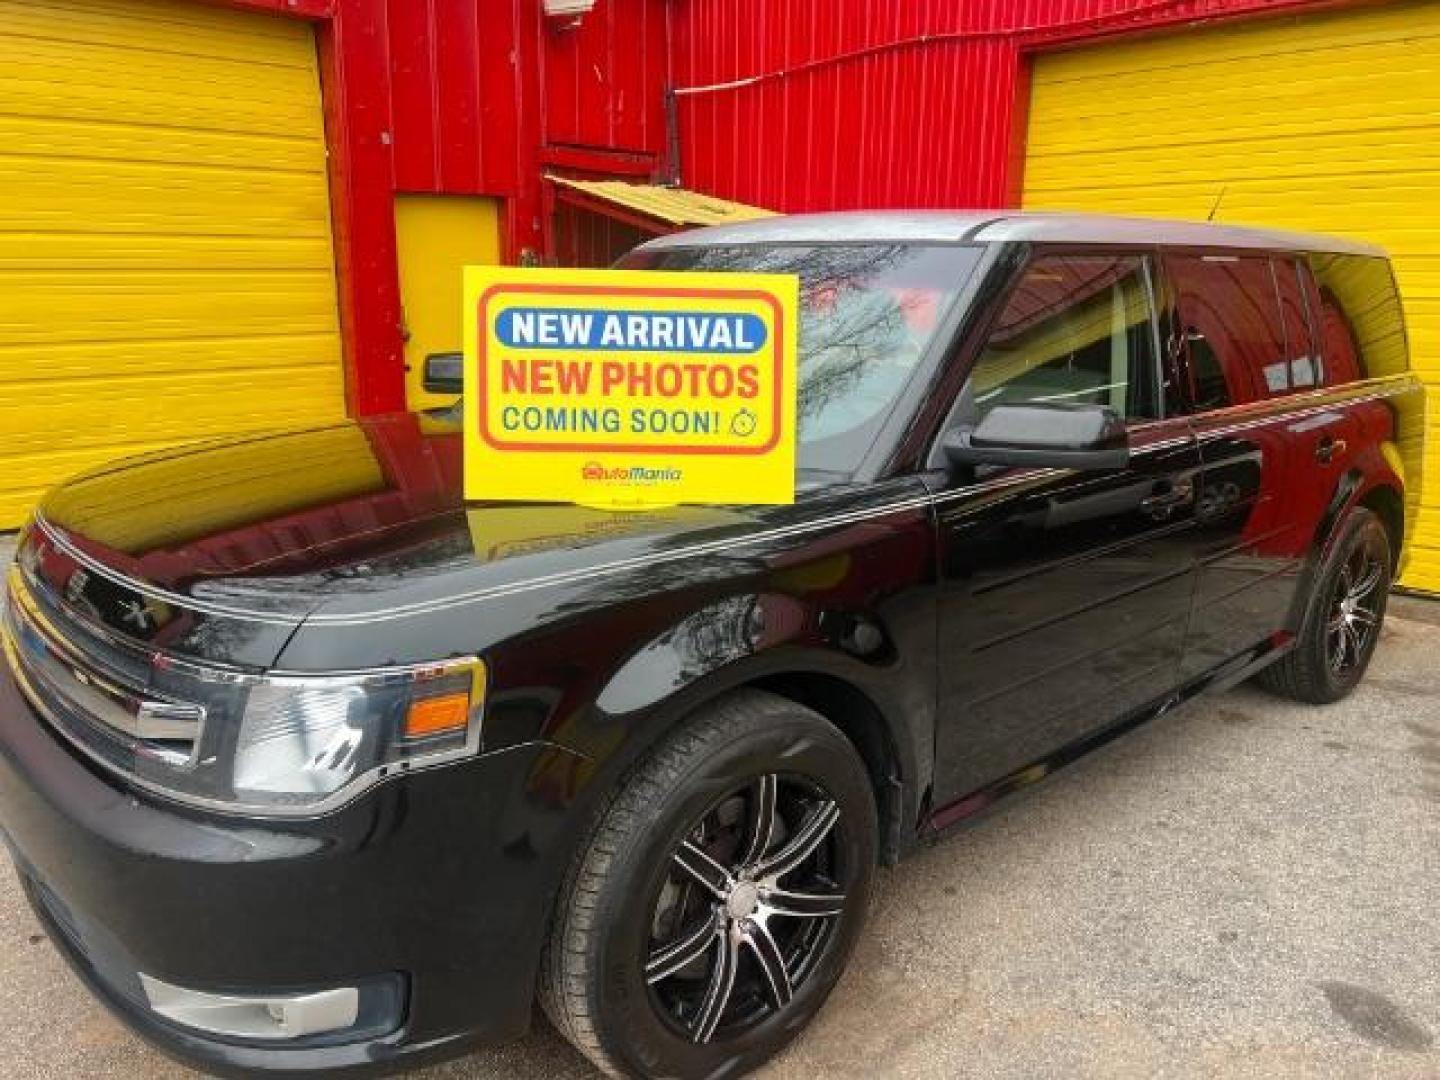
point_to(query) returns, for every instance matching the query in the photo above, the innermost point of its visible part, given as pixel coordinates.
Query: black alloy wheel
(717, 900)
(1343, 619)
(1354, 617)
(747, 908)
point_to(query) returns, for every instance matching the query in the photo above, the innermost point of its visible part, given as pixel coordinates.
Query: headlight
(302, 739)
(235, 741)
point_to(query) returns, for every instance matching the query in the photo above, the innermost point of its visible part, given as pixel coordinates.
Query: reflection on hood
(283, 522)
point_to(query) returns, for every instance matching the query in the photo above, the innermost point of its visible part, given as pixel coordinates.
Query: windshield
(867, 314)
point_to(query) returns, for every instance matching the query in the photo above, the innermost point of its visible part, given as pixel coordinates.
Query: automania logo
(594, 472)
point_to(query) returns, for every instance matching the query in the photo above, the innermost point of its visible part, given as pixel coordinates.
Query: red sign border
(777, 330)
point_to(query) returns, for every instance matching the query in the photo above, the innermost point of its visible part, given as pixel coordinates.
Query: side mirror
(445, 373)
(1045, 436)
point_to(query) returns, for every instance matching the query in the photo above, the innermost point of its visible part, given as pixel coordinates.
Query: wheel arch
(870, 673)
(861, 721)
(895, 743)
(1386, 503)
(887, 719)
(1377, 491)
(1373, 484)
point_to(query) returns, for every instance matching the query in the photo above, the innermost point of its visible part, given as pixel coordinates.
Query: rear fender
(1370, 470)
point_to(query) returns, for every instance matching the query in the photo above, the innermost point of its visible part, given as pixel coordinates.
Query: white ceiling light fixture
(572, 10)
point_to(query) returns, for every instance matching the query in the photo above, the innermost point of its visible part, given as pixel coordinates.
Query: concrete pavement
(1244, 888)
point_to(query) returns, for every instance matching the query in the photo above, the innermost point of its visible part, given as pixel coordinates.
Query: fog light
(277, 1016)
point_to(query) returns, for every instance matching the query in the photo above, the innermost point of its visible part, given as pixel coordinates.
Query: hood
(221, 549)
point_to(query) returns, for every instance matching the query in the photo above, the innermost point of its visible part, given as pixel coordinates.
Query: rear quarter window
(1358, 317)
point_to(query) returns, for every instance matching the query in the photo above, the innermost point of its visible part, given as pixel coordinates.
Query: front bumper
(444, 878)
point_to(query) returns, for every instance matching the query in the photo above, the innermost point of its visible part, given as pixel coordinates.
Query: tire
(1343, 617)
(677, 885)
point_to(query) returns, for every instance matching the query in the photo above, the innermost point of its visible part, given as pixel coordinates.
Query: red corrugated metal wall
(924, 108)
(468, 97)
(585, 238)
(453, 95)
(479, 86)
(481, 97)
(604, 80)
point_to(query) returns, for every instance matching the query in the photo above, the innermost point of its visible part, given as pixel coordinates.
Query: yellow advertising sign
(629, 388)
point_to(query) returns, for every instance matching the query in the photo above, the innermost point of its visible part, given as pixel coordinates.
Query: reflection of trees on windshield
(859, 327)
(868, 311)
(850, 315)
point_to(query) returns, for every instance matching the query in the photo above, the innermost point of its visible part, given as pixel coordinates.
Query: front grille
(95, 704)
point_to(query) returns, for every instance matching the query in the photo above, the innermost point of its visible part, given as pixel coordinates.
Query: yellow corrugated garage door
(166, 268)
(1324, 122)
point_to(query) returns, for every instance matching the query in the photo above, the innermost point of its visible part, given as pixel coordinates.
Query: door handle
(1162, 504)
(1328, 449)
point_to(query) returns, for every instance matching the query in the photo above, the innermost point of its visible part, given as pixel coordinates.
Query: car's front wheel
(719, 896)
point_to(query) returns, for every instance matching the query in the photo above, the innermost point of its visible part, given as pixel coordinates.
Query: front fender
(754, 639)
(843, 598)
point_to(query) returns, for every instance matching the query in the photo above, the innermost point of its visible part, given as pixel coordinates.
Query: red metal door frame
(355, 79)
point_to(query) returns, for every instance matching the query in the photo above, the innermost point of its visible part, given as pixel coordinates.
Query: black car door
(1064, 594)
(1239, 329)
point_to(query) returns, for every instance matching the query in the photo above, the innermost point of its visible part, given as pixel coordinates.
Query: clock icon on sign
(743, 424)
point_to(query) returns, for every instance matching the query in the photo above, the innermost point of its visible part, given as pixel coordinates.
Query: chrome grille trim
(70, 687)
(137, 761)
(56, 536)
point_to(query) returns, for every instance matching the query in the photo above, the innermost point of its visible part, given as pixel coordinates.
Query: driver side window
(1076, 329)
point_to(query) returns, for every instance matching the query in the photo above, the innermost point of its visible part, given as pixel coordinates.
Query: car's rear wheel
(1343, 618)
(719, 897)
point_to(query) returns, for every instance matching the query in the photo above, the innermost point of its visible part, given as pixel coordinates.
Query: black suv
(306, 764)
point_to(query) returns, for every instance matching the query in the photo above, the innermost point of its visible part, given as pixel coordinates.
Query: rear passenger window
(1358, 317)
(1229, 330)
(1075, 329)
